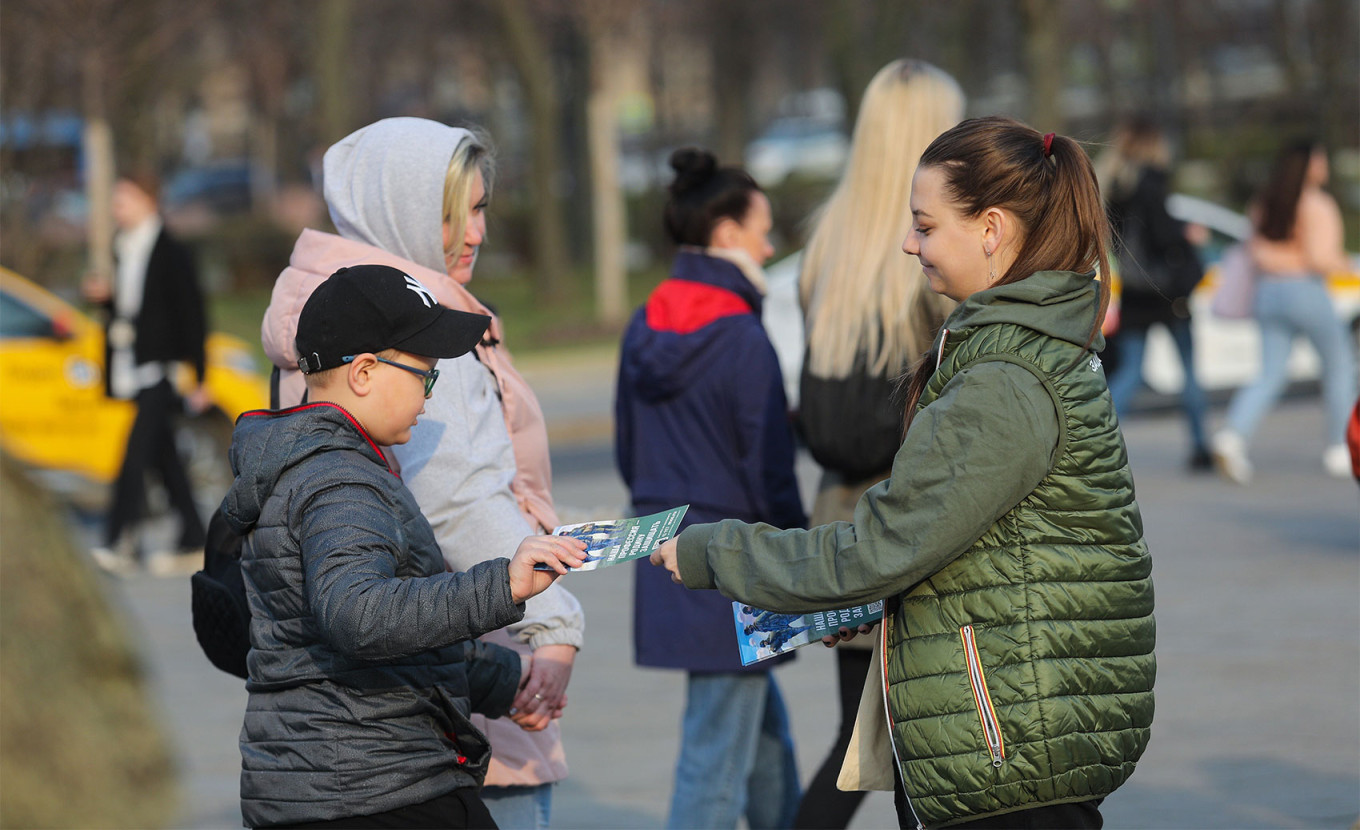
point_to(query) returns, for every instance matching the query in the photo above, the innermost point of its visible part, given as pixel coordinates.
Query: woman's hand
(845, 635)
(560, 553)
(542, 695)
(665, 556)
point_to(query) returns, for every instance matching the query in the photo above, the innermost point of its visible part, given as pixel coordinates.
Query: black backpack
(217, 594)
(218, 599)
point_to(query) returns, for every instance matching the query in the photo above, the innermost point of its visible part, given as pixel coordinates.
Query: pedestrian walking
(701, 419)
(413, 194)
(1158, 270)
(156, 321)
(1296, 243)
(869, 316)
(1016, 660)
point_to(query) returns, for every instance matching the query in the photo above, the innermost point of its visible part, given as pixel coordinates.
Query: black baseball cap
(370, 308)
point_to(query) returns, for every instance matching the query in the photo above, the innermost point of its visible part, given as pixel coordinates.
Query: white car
(1227, 352)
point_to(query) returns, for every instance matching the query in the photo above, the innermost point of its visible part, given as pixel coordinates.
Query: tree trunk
(530, 57)
(1044, 59)
(332, 60)
(99, 172)
(610, 223)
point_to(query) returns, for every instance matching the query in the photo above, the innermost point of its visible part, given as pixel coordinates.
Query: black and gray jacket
(362, 672)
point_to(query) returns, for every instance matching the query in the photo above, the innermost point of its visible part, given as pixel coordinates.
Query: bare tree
(530, 57)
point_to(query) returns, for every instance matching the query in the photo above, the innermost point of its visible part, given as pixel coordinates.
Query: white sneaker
(1230, 456)
(116, 562)
(1336, 459)
(180, 563)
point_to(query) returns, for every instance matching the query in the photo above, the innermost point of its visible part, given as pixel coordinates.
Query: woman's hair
(1137, 144)
(703, 194)
(1279, 199)
(1047, 183)
(860, 293)
(473, 153)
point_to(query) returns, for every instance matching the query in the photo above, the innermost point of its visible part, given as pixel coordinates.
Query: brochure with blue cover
(765, 634)
(611, 541)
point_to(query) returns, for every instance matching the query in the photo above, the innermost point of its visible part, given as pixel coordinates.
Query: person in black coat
(156, 319)
(1158, 270)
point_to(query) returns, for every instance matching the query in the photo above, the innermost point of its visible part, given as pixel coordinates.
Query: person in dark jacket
(155, 321)
(1015, 669)
(702, 420)
(1158, 270)
(360, 681)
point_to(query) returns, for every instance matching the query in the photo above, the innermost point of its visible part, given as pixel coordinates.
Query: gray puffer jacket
(361, 676)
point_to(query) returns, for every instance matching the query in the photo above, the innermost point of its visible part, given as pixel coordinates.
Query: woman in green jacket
(1015, 667)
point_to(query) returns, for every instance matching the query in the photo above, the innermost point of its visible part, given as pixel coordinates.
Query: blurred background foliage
(235, 100)
(79, 746)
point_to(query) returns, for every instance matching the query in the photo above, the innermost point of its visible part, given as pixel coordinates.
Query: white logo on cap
(425, 296)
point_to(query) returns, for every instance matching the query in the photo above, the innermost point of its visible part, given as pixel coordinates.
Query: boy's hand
(665, 556)
(557, 552)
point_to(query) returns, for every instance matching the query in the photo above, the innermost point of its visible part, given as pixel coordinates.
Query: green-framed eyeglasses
(429, 375)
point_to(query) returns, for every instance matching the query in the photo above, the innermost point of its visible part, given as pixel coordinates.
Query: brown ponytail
(1048, 183)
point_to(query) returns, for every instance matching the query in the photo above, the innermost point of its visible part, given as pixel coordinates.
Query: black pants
(151, 445)
(462, 808)
(824, 806)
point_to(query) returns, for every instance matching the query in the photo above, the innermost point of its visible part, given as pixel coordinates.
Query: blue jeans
(736, 755)
(1128, 376)
(519, 808)
(1286, 308)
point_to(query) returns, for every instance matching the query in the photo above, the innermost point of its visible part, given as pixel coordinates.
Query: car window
(21, 320)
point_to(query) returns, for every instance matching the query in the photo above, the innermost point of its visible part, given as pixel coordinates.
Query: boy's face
(398, 398)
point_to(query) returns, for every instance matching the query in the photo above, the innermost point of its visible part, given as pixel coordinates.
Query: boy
(362, 674)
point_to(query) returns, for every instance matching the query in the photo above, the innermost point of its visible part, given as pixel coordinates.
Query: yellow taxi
(57, 421)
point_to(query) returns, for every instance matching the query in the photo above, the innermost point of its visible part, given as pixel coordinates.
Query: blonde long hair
(473, 153)
(859, 292)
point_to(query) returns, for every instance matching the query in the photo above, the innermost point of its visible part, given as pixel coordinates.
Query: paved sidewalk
(1258, 609)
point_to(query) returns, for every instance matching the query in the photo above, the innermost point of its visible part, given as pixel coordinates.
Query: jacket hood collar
(1059, 304)
(266, 444)
(384, 185)
(732, 270)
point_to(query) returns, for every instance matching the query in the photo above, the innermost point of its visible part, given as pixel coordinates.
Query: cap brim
(451, 334)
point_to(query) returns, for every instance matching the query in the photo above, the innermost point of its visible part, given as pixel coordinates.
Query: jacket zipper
(887, 714)
(991, 727)
(939, 354)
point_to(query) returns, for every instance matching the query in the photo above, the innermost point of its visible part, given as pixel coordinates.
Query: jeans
(1286, 308)
(519, 808)
(736, 755)
(1128, 376)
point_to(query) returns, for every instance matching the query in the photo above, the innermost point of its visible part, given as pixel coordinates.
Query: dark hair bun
(693, 168)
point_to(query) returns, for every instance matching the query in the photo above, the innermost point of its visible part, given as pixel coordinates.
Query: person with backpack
(361, 677)
(1158, 270)
(869, 316)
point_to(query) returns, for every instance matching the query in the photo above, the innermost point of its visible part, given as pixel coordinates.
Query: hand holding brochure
(611, 541)
(765, 634)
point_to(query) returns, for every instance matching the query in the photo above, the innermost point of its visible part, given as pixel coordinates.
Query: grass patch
(78, 744)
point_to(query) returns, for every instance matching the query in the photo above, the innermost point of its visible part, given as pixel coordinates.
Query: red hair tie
(1048, 146)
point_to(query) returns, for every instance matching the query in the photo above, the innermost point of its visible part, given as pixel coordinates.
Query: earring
(991, 270)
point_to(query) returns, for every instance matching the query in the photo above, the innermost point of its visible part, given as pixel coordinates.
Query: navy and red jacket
(701, 419)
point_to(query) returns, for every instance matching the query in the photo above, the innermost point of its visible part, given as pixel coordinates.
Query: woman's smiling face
(951, 246)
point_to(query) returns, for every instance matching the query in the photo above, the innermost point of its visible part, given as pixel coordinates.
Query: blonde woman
(869, 315)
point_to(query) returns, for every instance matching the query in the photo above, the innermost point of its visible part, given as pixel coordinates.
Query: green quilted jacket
(1021, 673)
(1020, 634)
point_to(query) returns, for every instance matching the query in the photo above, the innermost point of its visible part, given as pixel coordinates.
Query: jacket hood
(672, 338)
(1059, 304)
(266, 444)
(384, 185)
